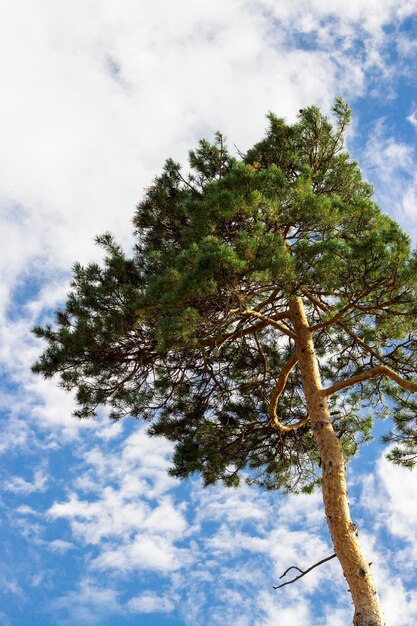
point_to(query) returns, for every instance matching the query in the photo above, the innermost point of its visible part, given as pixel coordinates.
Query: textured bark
(356, 570)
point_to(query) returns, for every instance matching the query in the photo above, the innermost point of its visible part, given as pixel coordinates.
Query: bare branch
(303, 573)
(379, 370)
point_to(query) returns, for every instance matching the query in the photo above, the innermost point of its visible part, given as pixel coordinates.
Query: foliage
(191, 332)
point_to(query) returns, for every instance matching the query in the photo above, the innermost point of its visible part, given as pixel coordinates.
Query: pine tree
(265, 318)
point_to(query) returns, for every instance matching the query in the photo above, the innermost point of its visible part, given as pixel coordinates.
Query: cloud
(113, 91)
(126, 512)
(149, 552)
(412, 118)
(59, 545)
(385, 506)
(399, 487)
(131, 517)
(219, 552)
(10, 585)
(389, 164)
(90, 603)
(79, 156)
(19, 485)
(150, 602)
(371, 15)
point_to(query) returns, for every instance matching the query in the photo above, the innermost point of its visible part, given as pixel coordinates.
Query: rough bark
(343, 531)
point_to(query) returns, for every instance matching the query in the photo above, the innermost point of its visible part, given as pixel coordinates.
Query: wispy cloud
(19, 485)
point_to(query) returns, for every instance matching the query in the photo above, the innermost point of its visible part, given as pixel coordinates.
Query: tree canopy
(192, 332)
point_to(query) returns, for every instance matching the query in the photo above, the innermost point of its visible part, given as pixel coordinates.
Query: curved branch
(282, 381)
(379, 370)
(270, 321)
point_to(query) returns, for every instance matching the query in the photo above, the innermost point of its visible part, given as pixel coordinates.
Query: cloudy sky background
(96, 94)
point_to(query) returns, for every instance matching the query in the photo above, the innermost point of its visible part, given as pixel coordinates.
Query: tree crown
(192, 332)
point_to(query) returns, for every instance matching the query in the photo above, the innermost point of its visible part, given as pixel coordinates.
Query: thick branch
(282, 381)
(379, 370)
(271, 322)
(303, 573)
(235, 334)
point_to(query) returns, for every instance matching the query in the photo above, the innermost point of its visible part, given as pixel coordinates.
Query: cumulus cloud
(128, 513)
(129, 526)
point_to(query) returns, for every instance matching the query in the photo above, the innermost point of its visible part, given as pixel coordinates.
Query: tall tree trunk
(356, 570)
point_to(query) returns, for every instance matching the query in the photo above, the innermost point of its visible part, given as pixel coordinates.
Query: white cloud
(292, 613)
(399, 487)
(370, 15)
(26, 510)
(79, 155)
(88, 604)
(230, 543)
(387, 500)
(19, 485)
(150, 602)
(59, 545)
(128, 513)
(132, 527)
(15, 432)
(409, 200)
(11, 586)
(110, 430)
(386, 156)
(412, 118)
(149, 552)
(389, 165)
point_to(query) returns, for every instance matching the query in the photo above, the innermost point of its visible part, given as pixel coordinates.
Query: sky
(96, 94)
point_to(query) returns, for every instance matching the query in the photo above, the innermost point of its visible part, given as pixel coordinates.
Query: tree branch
(262, 355)
(282, 381)
(271, 322)
(347, 330)
(331, 320)
(379, 370)
(235, 334)
(303, 573)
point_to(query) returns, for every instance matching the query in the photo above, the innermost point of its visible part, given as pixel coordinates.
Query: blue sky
(95, 95)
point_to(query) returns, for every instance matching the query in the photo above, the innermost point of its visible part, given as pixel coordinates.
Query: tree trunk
(356, 570)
